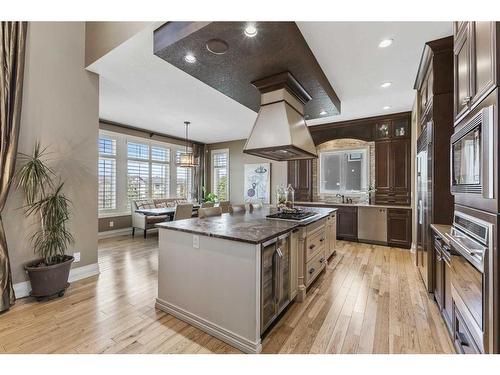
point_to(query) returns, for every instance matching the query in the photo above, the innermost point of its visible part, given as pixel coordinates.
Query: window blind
(137, 180)
(220, 173)
(107, 174)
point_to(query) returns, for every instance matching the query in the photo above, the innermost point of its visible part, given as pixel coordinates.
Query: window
(148, 171)
(220, 174)
(134, 168)
(107, 174)
(343, 171)
(184, 179)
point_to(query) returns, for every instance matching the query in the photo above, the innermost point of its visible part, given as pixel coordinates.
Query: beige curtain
(12, 47)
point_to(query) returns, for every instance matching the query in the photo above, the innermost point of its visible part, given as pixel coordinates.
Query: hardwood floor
(369, 300)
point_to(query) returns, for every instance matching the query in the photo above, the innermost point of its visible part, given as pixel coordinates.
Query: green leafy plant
(45, 200)
(209, 197)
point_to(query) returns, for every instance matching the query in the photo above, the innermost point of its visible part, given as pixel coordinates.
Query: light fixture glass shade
(187, 160)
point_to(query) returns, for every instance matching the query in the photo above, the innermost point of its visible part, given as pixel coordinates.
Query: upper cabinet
(395, 128)
(475, 72)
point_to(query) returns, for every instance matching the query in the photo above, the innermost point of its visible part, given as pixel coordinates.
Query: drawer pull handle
(312, 246)
(321, 239)
(311, 271)
(322, 260)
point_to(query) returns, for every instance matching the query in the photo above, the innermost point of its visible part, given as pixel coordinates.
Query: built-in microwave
(473, 158)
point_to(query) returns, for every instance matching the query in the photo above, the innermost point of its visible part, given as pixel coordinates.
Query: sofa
(144, 222)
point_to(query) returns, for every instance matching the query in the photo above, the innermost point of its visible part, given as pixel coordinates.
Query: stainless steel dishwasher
(372, 224)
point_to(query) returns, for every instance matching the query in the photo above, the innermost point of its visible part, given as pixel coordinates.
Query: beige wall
(61, 109)
(237, 160)
(102, 37)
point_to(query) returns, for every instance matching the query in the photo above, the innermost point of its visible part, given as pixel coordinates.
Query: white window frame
(365, 172)
(122, 203)
(108, 157)
(212, 156)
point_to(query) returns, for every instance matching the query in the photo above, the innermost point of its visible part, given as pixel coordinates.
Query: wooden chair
(237, 208)
(183, 211)
(207, 204)
(209, 211)
(224, 206)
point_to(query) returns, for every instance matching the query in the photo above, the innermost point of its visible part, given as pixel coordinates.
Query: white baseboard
(114, 233)
(228, 337)
(23, 288)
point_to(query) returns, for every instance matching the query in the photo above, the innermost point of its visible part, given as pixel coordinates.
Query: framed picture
(257, 187)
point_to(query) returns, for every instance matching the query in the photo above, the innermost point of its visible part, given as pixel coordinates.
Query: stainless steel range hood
(280, 132)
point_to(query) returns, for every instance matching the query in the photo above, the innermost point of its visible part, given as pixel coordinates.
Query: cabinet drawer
(314, 267)
(315, 242)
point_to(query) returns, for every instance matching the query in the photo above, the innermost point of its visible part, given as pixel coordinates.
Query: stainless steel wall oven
(474, 263)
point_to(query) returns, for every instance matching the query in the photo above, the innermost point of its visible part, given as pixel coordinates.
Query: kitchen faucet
(340, 196)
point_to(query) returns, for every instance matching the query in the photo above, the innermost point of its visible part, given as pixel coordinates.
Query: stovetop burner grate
(297, 215)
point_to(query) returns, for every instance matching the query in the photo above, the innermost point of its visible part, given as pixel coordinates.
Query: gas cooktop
(296, 215)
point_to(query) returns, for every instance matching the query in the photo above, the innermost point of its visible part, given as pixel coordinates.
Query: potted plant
(209, 197)
(45, 200)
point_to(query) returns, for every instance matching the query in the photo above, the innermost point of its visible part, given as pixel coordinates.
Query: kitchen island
(232, 275)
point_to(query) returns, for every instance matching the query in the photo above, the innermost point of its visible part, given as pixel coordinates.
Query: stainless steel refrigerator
(424, 213)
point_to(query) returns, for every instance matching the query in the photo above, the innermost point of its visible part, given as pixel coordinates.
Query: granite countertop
(327, 204)
(248, 227)
(442, 230)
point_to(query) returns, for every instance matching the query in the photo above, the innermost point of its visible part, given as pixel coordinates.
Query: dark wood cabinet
(399, 227)
(382, 173)
(392, 172)
(475, 66)
(347, 223)
(300, 177)
(438, 274)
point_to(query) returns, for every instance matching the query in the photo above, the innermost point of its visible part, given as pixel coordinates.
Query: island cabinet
(331, 234)
(313, 249)
(476, 48)
(399, 227)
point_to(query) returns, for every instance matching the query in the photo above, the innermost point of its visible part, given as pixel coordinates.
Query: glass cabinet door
(382, 130)
(401, 128)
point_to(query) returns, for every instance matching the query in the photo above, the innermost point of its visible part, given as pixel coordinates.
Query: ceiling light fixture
(386, 84)
(190, 58)
(385, 43)
(250, 31)
(323, 112)
(386, 107)
(186, 158)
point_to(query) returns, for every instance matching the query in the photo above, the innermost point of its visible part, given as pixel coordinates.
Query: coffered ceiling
(142, 90)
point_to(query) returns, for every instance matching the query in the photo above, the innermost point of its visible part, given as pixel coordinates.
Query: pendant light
(186, 158)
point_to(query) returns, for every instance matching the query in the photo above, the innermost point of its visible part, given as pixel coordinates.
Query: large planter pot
(48, 281)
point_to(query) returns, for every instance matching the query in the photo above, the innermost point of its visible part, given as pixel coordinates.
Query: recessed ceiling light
(386, 107)
(385, 43)
(250, 31)
(190, 58)
(323, 112)
(385, 84)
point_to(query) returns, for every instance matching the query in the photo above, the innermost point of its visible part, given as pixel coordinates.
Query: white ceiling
(142, 90)
(349, 54)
